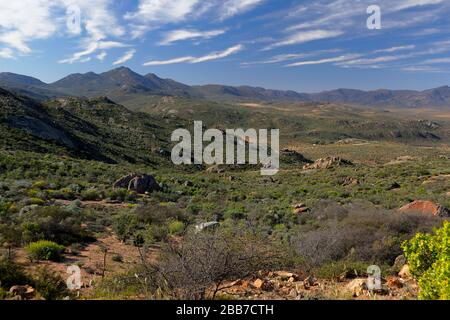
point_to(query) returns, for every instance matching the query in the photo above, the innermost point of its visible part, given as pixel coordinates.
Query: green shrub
(176, 227)
(61, 225)
(50, 285)
(429, 259)
(117, 258)
(44, 250)
(40, 185)
(4, 294)
(35, 201)
(90, 195)
(11, 274)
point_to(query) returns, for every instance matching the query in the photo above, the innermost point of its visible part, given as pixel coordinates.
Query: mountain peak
(8, 77)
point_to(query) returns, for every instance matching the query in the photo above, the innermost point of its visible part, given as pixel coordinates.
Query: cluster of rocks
(22, 292)
(287, 285)
(272, 285)
(140, 183)
(402, 285)
(328, 162)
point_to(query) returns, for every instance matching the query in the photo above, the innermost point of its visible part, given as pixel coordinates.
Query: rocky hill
(90, 128)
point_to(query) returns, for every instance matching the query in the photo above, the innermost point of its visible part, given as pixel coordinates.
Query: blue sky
(307, 46)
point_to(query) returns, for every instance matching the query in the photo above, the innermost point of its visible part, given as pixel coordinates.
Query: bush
(90, 195)
(176, 227)
(11, 274)
(356, 233)
(209, 258)
(35, 201)
(429, 259)
(117, 258)
(56, 224)
(50, 285)
(40, 185)
(44, 250)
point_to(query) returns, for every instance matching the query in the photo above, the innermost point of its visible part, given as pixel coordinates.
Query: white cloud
(186, 34)
(305, 36)
(373, 61)
(437, 61)
(25, 20)
(102, 55)
(171, 11)
(322, 61)
(416, 3)
(190, 59)
(6, 53)
(92, 48)
(422, 69)
(151, 14)
(165, 11)
(291, 56)
(279, 58)
(127, 57)
(231, 8)
(98, 18)
(170, 61)
(395, 49)
(219, 55)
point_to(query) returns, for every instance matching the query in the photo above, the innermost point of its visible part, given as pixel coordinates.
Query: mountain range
(122, 82)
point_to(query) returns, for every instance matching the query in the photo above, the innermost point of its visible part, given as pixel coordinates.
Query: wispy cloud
(323, 61)
(6, 53)
(278, 59)
(152, 14)
(101, 56)
(231, 8)
(395, 49)
(422, 69)
(92, 48)
(373, 61)
(126, 57)
(189, 34)
(189, 59)
(290, 56)
(305, 36)
(437, 61)
(407, 4)
(165, 11)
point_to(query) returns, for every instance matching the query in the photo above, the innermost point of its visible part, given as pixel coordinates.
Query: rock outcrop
(300, 208)
(328, 162)
(23, 292)
(141, 184)
(426, 207)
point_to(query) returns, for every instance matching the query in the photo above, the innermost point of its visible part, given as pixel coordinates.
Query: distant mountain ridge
(125, 82)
